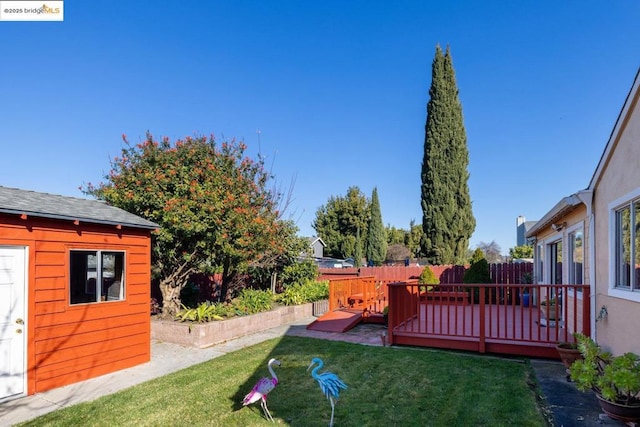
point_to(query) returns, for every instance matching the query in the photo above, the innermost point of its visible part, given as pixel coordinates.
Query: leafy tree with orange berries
(211, 201)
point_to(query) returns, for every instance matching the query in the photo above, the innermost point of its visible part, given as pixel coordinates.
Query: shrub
(428, 277)
(252, 301)
(478, 272)
(205, 312)
(299, 273)
(301, 294)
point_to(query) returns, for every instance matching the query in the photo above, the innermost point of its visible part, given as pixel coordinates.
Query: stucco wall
(618, 332)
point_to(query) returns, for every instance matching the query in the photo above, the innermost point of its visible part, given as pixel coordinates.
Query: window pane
(82, 276)
(539, 264)
(622, 247)
(556, 262)
(576, 258)
(636, 246)
(95, 276)
(112, 283)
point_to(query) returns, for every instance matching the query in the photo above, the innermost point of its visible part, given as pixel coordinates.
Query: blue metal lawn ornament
(329, 383)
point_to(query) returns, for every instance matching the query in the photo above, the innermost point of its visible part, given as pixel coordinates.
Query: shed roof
(45, 205)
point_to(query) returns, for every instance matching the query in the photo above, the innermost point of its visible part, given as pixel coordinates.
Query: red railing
(507, 319)
(357, 293)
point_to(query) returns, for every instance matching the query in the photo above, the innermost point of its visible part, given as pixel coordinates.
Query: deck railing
(357, 293)
(510, 319)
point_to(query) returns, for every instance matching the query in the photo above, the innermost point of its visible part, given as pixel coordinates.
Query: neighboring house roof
(562, 208)
(623, 118)
(44, 205)
(314, 239)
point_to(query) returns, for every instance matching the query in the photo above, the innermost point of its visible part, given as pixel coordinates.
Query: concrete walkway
(567, 406)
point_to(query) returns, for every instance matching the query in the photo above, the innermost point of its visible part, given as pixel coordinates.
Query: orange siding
(70, 343)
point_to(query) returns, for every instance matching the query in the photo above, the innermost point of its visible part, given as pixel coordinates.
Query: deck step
(336, 321)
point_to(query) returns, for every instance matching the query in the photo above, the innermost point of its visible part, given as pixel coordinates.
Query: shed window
(96, 276)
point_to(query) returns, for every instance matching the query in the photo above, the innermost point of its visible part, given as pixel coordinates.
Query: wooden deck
(497, 321)
(485, 318)
(507, 329)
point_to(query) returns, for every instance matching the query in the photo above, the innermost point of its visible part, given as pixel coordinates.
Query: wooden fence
(501, 274)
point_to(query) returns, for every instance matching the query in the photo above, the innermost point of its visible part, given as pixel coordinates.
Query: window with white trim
(95, 276)
(555, 262)
(539, 267)
(576, 258)
(626, 246)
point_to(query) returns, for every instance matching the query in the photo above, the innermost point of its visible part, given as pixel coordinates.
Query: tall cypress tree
(447, 218)
(377, 236)
(357, 258)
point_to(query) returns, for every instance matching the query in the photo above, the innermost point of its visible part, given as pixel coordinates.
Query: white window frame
(632, 294)
(539, 262)
(99, 294)
(570, 249)
(548, 242)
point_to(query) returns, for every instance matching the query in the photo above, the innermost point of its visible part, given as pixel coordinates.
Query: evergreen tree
(376, 236)
(447, 218)
(340, 219)
(357, 258)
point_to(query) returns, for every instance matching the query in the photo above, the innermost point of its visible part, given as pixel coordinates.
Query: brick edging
(202, 335)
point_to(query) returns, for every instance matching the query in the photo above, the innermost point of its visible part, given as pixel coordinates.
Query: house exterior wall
(620, 178)
(69, 343)
(318, 249)
(577, 218)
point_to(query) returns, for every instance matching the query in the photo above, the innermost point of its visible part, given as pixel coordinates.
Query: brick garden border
(202, 335)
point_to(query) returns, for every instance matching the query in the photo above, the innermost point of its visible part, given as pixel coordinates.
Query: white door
(12, 321)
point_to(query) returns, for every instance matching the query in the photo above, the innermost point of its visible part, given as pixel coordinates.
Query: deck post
(482, 338)
(586, 310)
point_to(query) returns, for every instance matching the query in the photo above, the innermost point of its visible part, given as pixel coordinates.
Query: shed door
(12, 321)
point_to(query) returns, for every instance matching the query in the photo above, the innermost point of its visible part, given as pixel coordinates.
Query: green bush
(301, 294)
(478, 272)
(299, 273)
(428, 277)
(252, 301)
(205, 312)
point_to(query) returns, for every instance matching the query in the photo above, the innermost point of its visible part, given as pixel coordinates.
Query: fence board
(501, 273)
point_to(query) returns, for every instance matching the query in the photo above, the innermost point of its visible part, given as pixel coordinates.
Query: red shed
(74, 290)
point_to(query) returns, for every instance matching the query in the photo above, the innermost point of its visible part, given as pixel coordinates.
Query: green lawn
(387, 387)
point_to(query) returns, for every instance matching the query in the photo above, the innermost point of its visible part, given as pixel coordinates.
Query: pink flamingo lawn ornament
(329, 383)
(262, 388)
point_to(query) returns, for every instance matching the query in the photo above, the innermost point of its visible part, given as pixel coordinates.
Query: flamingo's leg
(263, 403)
(333, 404)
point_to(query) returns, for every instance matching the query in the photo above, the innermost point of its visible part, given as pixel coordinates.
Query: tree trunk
(227, 276)
(170, 298)
(170, 288)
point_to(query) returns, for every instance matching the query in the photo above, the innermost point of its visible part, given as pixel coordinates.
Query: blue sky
(337, 89)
